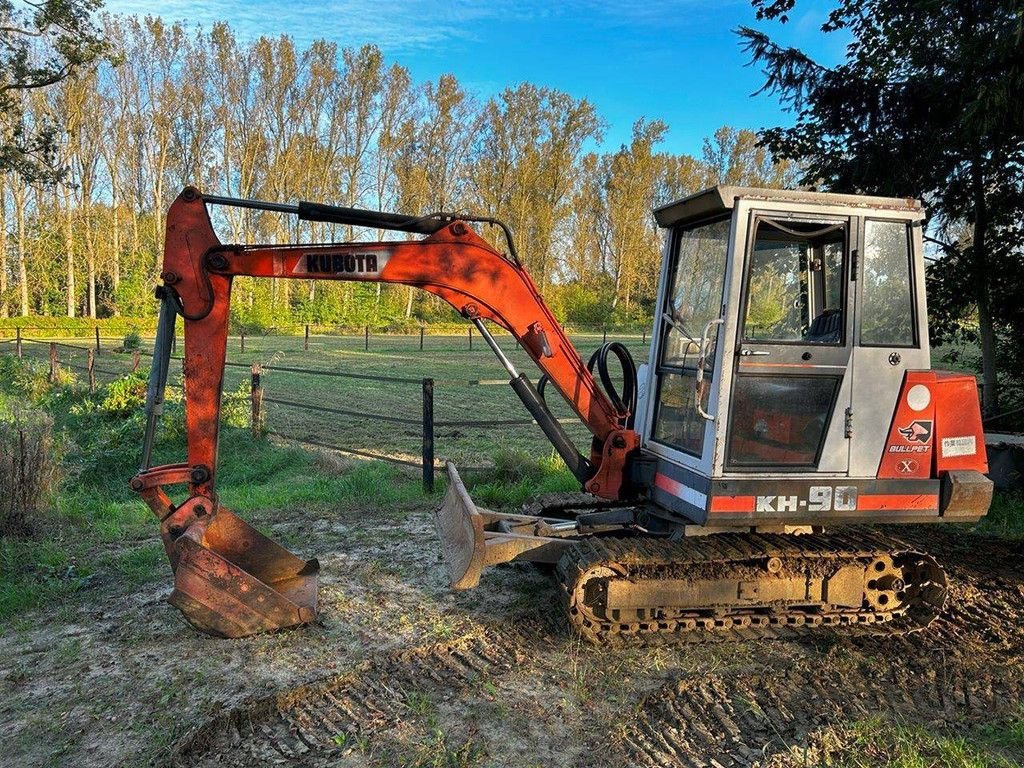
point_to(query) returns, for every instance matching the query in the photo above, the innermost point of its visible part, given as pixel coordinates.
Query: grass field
(447, 359)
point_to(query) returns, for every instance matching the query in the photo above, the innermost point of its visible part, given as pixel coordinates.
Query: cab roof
(722, 198)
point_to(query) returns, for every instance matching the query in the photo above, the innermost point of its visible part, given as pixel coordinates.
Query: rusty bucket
(231, 581)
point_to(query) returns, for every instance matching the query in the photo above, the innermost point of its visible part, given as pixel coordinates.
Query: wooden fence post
(53, 361)
(305, 344)
(645, 336)
(97, 339)
(366, 339)
(604, 337)
(471, 339)
(135, 361)
(421, 338)
(243, 341)
(256, 395)
(90, 366)
(17, 343)
(428, 435)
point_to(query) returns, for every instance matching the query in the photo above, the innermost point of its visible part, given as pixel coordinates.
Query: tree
(41, 44)
(926, 103)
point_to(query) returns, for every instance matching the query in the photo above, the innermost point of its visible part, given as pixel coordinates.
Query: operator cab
(786, 327)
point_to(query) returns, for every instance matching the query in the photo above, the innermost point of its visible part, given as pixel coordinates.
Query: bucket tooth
(232, 581)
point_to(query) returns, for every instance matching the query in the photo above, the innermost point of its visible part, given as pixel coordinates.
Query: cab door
(790, 390)
(685, 358)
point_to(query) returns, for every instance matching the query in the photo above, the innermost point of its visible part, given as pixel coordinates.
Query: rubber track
(640, 556)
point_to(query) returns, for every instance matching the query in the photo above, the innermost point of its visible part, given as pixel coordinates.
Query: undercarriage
(621, 581)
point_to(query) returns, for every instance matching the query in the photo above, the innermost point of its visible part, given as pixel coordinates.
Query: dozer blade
(231, 581)
(460, 526)
(473, 538)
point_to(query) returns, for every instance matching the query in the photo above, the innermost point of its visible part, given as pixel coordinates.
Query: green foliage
(582, 305)
(132, 341)
(124, 396)
(23, 378)
(236, 407)
(56, 327)
(516, 477)
(42, 43)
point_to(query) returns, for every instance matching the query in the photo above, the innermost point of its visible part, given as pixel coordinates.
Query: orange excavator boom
(230, 580)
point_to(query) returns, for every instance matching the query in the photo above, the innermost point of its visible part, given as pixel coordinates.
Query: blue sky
(679, 61)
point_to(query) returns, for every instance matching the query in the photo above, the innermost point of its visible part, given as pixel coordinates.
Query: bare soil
(401, 671)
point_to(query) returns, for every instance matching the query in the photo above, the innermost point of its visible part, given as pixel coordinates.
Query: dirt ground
(400, 671)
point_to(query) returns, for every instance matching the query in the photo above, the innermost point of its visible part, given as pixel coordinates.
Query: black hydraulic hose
(624, 402)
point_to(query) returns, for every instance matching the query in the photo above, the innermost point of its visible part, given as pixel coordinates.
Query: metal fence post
(470, 339)
(243, 341)
(97, 339)
(256, 396)
(305, 344)
(53, 361)
(17, 343)
(366, 339)
(428, 435)
(421, 338)
(645, 336)
(90, 366)
(604, 337)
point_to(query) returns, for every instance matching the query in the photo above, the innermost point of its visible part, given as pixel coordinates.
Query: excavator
(735, 481)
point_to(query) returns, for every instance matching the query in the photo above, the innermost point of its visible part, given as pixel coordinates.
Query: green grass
(447, 359)
(879, 741)
(1006, 515)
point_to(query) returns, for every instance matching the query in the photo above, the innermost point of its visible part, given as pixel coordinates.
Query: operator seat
(826, 328)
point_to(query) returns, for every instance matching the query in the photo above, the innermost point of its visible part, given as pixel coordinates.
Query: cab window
(795, 283)
(887, 308)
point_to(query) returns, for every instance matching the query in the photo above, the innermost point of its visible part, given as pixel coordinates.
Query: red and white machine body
(789, 380)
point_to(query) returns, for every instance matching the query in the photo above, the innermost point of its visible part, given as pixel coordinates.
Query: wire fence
(298, 402)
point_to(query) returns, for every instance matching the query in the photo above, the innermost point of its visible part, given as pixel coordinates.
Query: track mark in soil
(317, 723)
(964, 669)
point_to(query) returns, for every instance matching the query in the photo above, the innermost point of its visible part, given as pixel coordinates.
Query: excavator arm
(231, 580)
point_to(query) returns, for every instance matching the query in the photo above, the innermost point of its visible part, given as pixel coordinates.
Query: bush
(125, 395)
(132, 341)
(23, 378)
(29, 469)
(236, 407)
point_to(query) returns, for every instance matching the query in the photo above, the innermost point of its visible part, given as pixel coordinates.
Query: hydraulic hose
(624, 402)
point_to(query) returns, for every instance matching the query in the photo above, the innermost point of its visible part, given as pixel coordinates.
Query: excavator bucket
(230, 580)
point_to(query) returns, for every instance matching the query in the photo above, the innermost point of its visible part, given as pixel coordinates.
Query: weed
(882, 742)
(29, 469)
(419, 704)
(1006, 515)
(438, 753)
